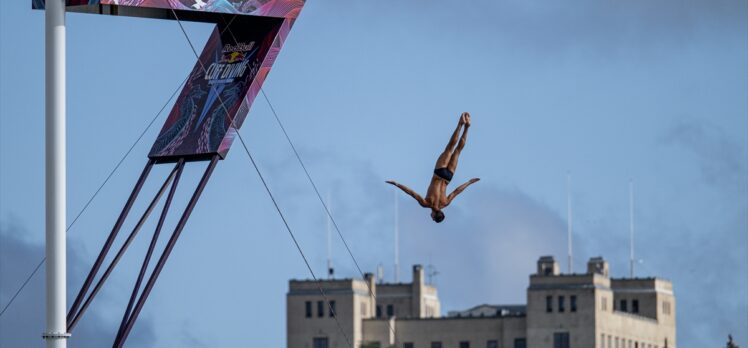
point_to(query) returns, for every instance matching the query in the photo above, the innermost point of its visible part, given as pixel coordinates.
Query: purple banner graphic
(215, 98)
(228, 75)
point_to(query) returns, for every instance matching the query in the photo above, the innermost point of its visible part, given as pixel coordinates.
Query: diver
(446, 164)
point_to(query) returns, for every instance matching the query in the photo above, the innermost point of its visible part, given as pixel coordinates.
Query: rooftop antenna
(397, 241)
(380, 273)
(431, 272)
(568, 221)
(631, 228)
(330, 269)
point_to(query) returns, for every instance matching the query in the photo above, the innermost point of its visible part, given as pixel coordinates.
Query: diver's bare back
(446, 164)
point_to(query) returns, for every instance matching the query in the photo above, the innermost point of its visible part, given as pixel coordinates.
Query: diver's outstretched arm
(412, 193)
(460, 188)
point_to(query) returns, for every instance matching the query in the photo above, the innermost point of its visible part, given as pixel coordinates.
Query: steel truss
(138, 297)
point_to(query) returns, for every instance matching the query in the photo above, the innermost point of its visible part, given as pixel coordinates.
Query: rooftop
(487, 310)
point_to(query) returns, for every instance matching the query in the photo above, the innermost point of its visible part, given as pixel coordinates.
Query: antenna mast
(397, 241)
(568, 221)
(330, 270)
(631, 228)
(431, 273)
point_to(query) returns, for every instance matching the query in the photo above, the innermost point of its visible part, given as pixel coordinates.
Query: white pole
(568, 220)
(631, 228)
(329, 239)
(56, 333)
(397, 241)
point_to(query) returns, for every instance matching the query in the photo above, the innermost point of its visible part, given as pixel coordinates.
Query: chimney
(372, 291)
(418, 274)
(369, 278)
(547, 266)
(417, 292)
(597, 265)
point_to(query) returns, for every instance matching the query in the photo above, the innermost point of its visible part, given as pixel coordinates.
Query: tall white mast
(330, 271)
(569, 222)
(397, 240)
(631, 228)
(54, 22)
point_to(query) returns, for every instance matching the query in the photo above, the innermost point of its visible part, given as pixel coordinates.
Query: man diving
(446, 164)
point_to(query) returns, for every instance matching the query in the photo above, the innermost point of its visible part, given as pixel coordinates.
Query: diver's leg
(452, 166)
(456, 134)
(445, 156)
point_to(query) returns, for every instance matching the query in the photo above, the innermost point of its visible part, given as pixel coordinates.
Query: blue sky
(654, 92)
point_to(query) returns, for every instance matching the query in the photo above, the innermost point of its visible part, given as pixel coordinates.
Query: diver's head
(437, 215)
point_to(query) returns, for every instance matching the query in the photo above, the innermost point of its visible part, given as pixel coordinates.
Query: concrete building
(587, 310)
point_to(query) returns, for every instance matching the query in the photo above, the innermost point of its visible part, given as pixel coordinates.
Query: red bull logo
(233, 63)
(241, 46)
(233, 57)
(227, 71)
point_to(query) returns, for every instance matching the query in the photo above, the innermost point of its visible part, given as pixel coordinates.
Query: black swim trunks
(444, 173)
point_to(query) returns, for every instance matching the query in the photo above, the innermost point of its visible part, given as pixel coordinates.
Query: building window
(561, 303)
(436, 345)
(379, 311)
(408, 345)
(320, 342)
(617, 346)
(602, 340)
(666, 307)
(520, 343)
(548, 304)
(561, 340)
(492, 344)
(333, 311)
(308, 309)
(390, 311)
(464, 344)
(320, 309)
(623, 307)
(634, 306)
(573, 303)
(604, 303)
(610, 339)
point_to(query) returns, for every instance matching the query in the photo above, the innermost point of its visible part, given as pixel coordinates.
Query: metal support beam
(176, 172)
(109, 240)
(120, 340)
(149, 253)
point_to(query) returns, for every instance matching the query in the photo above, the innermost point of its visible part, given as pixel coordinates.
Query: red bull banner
(219, 90)
(227, 76)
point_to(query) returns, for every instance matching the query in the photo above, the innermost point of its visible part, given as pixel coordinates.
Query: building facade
(587, 310)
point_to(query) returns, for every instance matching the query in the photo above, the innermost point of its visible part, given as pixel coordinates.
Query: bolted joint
(55, 335)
